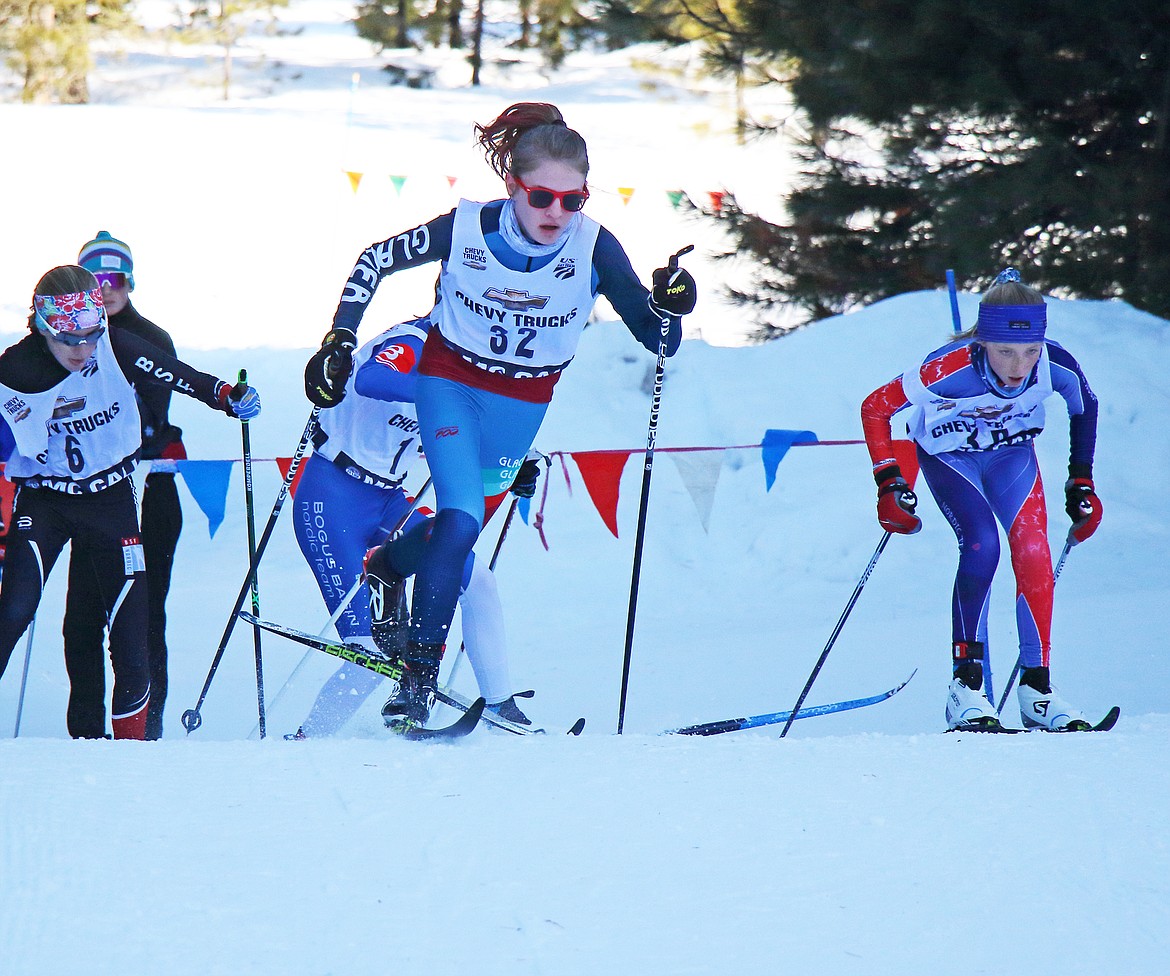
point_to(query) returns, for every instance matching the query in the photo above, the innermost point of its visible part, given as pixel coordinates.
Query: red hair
(527, 134)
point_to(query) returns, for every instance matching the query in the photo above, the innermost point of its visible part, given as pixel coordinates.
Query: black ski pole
(191, 718)
(836, 632)
(648, 464)
(1068, 544)
(246, 436)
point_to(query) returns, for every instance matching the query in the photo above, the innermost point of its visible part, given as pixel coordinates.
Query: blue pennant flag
(776, 444)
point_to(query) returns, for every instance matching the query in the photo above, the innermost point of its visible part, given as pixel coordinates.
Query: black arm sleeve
(145, 364)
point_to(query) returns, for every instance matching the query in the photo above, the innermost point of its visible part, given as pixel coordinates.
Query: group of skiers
(467, 387)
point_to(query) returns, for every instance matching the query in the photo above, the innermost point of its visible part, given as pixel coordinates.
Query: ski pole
(246, 436)
(191, 718)
(491, 569)
(32, 626)
(346, 600)
(956, 320)
(836, 632)
(644, 500)
(1068, 544)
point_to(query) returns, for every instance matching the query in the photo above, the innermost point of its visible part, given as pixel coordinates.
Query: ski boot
(412, 700)
(510, 711)
(389, 615)
(1041, 707)
(968, 708)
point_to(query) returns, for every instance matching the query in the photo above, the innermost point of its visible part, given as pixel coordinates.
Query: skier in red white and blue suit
(518, 280)
(975, 407)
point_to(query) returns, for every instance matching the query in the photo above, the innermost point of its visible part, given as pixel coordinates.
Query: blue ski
(774, 718)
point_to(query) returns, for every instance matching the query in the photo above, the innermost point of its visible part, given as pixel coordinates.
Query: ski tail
(774, 718)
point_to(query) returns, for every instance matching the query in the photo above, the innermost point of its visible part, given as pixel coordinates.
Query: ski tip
(464, 725)
(578, 727)
(1109, 720)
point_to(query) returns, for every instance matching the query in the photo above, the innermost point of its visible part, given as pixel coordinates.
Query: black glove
(327, 371)
(529, 474)
(674, 291)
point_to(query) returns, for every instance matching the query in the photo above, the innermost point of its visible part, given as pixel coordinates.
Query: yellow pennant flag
(354, 179)
(626, 192)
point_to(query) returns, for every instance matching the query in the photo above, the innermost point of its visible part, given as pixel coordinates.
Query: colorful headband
(1011, 323)
(73, 312)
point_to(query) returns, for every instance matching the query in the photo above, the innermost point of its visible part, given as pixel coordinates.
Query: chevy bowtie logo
(515, 300)
(63, 408)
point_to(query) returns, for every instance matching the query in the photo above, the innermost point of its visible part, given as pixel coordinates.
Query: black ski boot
(510, 711)
(389, 614)
(410, 704)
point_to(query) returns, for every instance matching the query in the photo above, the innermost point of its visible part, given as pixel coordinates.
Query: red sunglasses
(541, 197)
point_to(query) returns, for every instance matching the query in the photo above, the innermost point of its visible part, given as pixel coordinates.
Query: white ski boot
(968, 710)
(1048, 711)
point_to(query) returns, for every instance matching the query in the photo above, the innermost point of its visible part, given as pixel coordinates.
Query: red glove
(896, 502)
(1083, 507)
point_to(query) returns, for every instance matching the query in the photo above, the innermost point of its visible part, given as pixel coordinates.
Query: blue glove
(240, 401)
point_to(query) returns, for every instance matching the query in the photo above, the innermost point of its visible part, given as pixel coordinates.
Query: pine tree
(970, 134)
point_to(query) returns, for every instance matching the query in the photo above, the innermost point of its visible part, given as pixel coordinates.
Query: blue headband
(1011, 323)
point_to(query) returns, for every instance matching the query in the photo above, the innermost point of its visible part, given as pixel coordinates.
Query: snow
(864, 842)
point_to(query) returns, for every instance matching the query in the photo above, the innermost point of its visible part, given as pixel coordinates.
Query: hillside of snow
(865, 842)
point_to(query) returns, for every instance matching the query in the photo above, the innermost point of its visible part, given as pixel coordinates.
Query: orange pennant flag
(354, 179)
(602, 474)
(716, 199)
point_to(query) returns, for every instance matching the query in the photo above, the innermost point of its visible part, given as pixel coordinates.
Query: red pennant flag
(716, 199)
(906, 455)
(284, 464)
(602, 473)
(451, 181)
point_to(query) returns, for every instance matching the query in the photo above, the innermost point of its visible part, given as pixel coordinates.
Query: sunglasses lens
(541, 198)
(111, 279)
(573, 202)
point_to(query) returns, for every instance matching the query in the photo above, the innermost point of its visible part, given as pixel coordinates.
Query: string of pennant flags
(600, 473)
(675, 197)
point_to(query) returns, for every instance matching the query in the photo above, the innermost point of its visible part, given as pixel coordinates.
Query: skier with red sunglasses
(518, 281)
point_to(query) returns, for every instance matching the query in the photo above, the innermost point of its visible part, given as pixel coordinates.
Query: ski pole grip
(672, 264)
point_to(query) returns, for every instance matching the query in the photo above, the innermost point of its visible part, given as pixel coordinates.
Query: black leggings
(85, 621)
(103, 530)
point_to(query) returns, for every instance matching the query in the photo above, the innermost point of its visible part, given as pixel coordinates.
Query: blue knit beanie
(107, 253)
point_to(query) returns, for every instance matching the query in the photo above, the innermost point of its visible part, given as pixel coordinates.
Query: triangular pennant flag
(399, 182)
(451, 181)
(675, 197)
(602, 473)
(716, 199)
(776, 444)
(626, 192)
(354, 179)
(523, 507)
(284, 464)
(906, 454)
(699, 471)
(208, 483)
